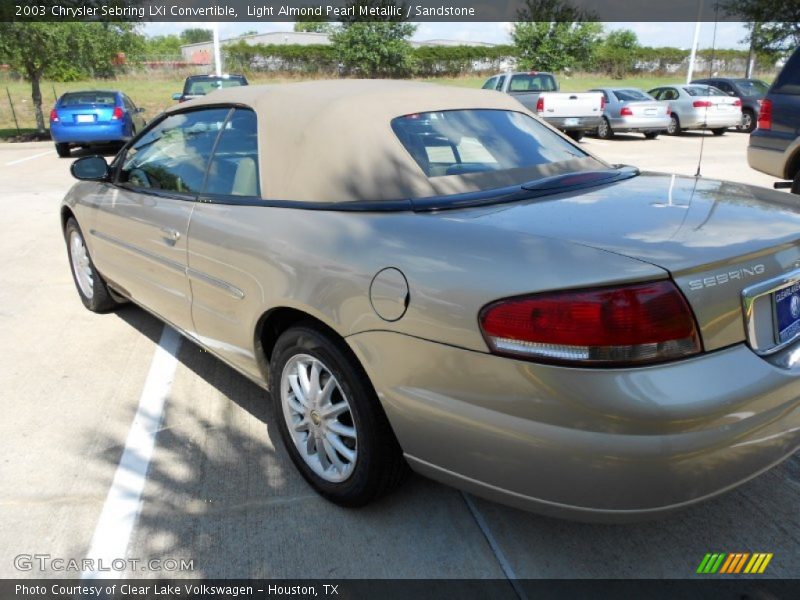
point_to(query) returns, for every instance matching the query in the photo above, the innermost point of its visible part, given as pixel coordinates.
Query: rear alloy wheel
(62, 150)
(748, 121)
(604, 131)
(92, 290)
(719, 132)
(330, 419)
(651, 135)
(674, 127)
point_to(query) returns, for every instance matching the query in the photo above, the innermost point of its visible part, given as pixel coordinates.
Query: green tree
(196, 35)
(618, 53)
(774, 25)
(162, 45)
(375, 48)
(63, 51)
(553, 35)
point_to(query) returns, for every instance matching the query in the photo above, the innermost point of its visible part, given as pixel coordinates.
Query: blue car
(93, 118)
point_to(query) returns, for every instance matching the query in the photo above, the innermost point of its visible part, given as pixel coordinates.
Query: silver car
(697, 106)
(632, 110)
(433, 277)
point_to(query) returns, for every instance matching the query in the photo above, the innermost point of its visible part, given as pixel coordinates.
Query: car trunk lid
(714, 238)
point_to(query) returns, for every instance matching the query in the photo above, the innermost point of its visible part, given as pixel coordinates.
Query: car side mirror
(90, 168)
(177, 96)
(140, 110)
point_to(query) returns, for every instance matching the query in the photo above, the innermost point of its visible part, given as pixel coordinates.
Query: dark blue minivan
(775, 145)
(93, 118)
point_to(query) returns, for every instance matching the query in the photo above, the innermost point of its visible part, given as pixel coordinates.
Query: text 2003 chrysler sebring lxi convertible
(433, 277)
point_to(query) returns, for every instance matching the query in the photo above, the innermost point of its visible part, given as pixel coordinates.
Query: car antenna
(710, 70)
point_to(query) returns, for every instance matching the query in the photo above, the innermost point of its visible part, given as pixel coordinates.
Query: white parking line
(21, 160)
(124, 501)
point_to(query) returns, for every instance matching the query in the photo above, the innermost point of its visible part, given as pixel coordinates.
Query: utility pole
(217, 54)
(693, 54)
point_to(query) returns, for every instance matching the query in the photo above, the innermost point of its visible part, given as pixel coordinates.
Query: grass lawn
(154, 92)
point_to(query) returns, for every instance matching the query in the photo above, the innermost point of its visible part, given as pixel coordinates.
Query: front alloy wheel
(92, 290)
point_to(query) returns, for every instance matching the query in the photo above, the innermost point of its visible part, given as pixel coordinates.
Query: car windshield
(752, 87)
(201, 87)
(632, 95)
(457, 142)
(703, 90)
(79, 98)
(532, 82)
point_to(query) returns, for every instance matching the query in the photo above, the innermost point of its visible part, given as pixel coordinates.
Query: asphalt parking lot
(221, 491)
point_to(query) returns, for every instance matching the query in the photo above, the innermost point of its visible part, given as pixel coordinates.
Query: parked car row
(716, 104)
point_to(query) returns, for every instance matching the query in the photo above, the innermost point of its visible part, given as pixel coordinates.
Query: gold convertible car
(433, 277)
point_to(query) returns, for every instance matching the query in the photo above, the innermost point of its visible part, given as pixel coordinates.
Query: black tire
(63, 150)
(719, 132)
(674, 125)
(575, 135)
(604, 131)
(795, 189)
(379, 466)
(101, 299)
(749, 121)
(651, 135)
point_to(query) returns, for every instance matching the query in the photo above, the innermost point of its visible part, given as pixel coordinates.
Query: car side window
(490, 85)
(173, 155)
(234, 166)
(669, 94)
(501, 81)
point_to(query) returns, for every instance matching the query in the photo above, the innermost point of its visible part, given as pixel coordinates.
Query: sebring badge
(727, 277)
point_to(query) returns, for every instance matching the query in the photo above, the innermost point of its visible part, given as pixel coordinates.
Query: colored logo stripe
(711, 563)
(733, 563)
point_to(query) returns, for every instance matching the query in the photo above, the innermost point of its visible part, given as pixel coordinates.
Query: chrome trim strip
(140, 251)
(192, 273)
(749, 297)
(223, 285)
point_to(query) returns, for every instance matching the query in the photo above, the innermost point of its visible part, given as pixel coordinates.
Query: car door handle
(172, 235)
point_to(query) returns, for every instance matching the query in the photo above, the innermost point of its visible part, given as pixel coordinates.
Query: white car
(697, 106)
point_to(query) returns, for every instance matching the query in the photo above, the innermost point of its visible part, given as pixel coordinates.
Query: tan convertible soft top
(332, 141)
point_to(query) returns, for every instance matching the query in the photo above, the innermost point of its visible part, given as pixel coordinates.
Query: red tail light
(669, 111)
(702, 104)
(625, 112)
(737, 102)
(602, 102)
(54, 116)
(540, 105)
(765, 115)
(640, 323)
(117, 114)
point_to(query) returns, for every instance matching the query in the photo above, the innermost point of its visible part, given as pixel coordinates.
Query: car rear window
(703, 90)
(788, 80)
(752, 87)
(632, 95)
(529, 82)
(80, 98)
(457, 142)
(206, 86)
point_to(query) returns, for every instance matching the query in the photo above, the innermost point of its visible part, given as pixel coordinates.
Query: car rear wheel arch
(273, 323)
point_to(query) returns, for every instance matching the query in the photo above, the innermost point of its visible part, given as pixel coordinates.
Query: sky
(680, 35)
